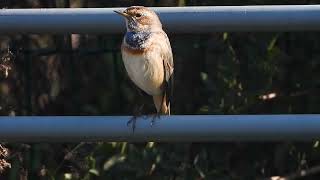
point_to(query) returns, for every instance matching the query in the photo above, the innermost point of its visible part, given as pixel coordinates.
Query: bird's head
(139, 18)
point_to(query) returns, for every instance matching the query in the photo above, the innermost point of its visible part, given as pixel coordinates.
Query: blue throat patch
(137, 39)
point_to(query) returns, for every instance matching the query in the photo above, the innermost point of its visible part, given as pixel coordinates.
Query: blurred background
(216, 73)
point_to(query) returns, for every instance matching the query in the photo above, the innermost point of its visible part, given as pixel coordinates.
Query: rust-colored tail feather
(161, 104)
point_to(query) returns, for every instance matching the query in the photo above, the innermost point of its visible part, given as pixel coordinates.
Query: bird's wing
(168, 67)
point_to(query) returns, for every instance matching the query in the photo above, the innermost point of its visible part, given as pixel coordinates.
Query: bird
(147, 56)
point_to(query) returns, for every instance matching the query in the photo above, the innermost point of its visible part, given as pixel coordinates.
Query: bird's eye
(138, 15)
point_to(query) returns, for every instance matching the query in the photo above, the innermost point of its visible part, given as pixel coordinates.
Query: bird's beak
(122, 14)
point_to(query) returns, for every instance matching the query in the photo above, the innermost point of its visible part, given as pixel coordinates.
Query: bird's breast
(145, 69)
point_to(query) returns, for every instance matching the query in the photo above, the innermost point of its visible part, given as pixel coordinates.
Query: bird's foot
(134, 118)
(133, 121)
(136, 114)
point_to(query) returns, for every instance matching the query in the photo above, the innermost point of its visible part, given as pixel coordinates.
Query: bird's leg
(136, 114)
(160, 111)
(153, 120)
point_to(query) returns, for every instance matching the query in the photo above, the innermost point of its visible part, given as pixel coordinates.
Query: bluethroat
(147, 56)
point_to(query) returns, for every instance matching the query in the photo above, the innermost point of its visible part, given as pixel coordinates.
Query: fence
(173, 128)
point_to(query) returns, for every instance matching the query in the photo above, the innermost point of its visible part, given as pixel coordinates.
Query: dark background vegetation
(216, 73)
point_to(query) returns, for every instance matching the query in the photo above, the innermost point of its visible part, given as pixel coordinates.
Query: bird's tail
(161, 104)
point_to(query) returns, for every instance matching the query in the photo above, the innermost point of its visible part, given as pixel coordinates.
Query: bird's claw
(132, 121)
(153, 120)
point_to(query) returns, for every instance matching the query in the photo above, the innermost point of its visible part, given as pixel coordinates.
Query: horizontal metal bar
(175, 19)
(179, 128)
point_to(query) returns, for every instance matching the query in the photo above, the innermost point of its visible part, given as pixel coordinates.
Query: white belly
(146, 71)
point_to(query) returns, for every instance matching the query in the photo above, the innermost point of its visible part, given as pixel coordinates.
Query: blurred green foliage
(216, 73)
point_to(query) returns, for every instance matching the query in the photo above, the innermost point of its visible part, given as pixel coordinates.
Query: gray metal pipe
(179, 128)
(175, 19)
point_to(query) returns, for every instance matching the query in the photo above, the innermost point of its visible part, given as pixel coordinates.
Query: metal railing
(174, 19)
(169, 128)
(177, 128)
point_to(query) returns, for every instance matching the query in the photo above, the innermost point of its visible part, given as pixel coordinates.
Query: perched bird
(147, 55)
